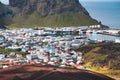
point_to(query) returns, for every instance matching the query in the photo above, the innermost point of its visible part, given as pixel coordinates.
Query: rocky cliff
(48, 7)
(50, 13)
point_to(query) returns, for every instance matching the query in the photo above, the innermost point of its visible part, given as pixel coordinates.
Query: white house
(117, 40)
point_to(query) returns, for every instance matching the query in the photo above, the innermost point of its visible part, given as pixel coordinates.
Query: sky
(5, 1)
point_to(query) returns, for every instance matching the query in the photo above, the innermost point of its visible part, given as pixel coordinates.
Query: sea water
(106, 12)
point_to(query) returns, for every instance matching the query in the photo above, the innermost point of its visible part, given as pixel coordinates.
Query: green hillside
(58, 20)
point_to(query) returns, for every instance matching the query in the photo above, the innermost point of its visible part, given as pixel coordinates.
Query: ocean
(106, 12)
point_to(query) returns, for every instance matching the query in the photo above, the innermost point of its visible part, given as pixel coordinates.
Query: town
(48, 46)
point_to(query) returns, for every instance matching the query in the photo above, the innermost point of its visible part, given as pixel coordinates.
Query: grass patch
(7, 51)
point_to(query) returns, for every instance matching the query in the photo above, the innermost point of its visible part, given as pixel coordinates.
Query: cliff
(50, 13)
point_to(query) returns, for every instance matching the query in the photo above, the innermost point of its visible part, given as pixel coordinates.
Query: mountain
(5, 15)
(49, 13)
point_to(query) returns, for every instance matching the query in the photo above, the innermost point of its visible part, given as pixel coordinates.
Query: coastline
(107, 14)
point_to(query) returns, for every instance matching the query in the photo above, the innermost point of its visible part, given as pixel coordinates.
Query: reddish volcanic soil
(39, 72)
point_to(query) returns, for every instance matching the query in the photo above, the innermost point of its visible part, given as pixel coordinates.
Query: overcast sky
(6, 1)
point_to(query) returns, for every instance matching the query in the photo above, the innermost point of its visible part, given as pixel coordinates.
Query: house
(117, 40)
(2, 55)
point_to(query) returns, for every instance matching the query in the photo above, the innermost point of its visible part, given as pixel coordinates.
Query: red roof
(5, 63)
(77, 65)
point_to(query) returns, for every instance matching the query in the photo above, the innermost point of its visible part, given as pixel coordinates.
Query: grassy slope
(58, 20)
(96, 55)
